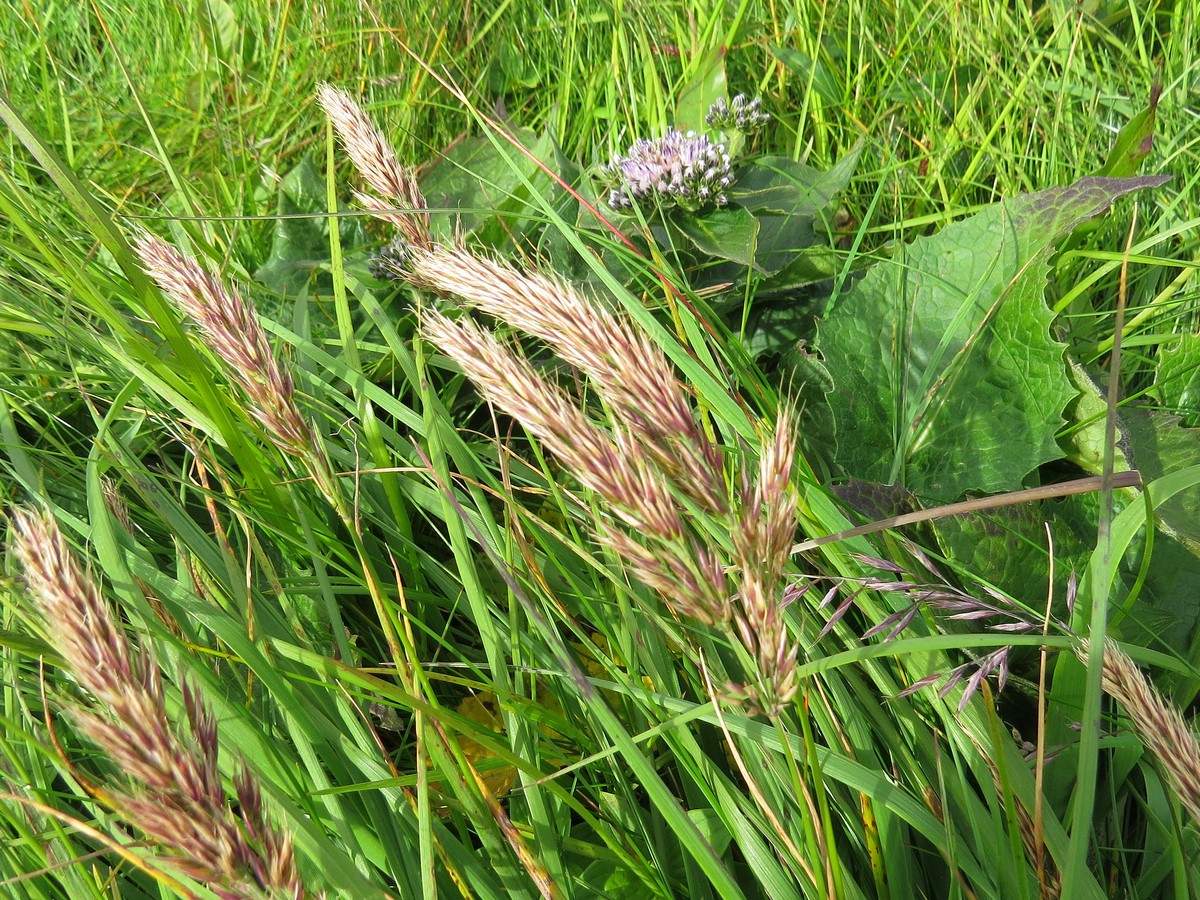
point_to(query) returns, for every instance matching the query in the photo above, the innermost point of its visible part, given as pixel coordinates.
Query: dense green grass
(449, 613)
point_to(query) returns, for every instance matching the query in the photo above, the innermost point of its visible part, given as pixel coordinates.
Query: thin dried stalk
(376, 161)
(1158, 723)
(628, 369)
(178, 799)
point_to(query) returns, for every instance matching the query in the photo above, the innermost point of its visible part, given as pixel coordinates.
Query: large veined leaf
(778, 184)
(478, 185)
(1009, 549)
(771, 222)
(1156, 443)
(946, 376)
(726, 233)
(706, 85)
(1177, 378)
(1134, 141)
(300, 243)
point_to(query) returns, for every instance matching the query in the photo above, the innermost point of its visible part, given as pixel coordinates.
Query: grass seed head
(376, 161)
(178, 798)
(631, 374)
(625, 479)
(230, 328)
(1158, 723)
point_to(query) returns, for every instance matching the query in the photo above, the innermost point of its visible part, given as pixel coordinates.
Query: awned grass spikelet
(1157, 722)
(230, 327)
(175, 793)
(376, 161)
(762, 533)
(630, 372)
(635, 490)
(635, 469)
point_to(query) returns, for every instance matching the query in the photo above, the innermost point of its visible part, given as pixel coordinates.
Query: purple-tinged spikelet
(176, 795)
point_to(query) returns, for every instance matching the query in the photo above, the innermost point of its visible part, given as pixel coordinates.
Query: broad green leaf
(806, 267)
(1154, 442)
(300, 243)
(1177, 378)
(726, 233)
(776, 328)
(782, 185)
(826, 81)
(1007, 548)
(712, 826)
(607, 878)
(219, 24)
(475, 187)
(947, 378)
(806, 383)
(705, 86)
(1083, 437)
(1134, 141)
(771, 223)
(781, 241)
(1160, 445)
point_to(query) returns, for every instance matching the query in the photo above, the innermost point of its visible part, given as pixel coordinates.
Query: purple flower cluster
(742, 114)
(686, 170)
(391, 262)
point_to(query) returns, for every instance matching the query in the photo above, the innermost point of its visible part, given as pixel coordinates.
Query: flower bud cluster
(742, 114)
(391, 262)
(686, 170)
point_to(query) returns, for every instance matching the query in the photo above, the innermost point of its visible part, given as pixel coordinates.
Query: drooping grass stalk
(231, 329)
(173, 791)
(630, 372)
(664, 553)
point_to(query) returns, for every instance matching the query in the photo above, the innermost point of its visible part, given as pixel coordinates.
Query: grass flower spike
(176, 795)
(630, 372)
(635, 490)
(656, 446)
(376, 161)
(1157, 722)
(232, 331)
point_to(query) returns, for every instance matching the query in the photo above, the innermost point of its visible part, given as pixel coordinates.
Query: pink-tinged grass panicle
(661, 550)
(657, 448)
(1157, 722)
(230, 328)
(376, 161)
(631, 374)
(635, 490)
(762, 534)
(174, 792)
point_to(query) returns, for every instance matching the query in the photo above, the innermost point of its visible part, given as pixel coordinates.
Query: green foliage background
(919, 137)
